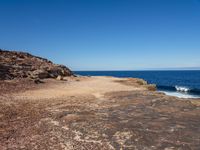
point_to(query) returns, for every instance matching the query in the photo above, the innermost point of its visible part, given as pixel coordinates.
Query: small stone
(59, 77)
(37, 81)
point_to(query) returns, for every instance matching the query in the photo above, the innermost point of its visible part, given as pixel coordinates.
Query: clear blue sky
(105, 34)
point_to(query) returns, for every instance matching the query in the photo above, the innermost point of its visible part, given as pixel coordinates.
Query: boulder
(41, 74)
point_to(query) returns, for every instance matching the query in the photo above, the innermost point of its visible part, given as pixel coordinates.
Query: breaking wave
(181, 91)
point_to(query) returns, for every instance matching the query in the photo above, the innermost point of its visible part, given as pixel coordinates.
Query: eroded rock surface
(24, 65)
(93, 119)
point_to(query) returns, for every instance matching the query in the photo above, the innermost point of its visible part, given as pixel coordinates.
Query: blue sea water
(185, 84)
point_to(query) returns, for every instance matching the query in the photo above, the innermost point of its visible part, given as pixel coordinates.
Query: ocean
(184, 84)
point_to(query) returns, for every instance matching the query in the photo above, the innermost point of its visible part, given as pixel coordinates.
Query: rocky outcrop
(24, 65)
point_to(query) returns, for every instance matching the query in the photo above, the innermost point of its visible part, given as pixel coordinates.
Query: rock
(151, 87)
(24, 65)
(37, 81)
(59, 77)
(4, 72)
(41, 74)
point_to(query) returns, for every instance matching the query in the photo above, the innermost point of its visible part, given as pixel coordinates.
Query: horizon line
(142, 70)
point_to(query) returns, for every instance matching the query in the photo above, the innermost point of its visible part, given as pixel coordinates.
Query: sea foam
(182, 89)
(179, 94)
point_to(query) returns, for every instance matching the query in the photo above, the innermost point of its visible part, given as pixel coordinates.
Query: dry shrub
(151, 87)
(141, 82)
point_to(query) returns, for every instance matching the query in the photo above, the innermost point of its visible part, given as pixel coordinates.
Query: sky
(105, 34)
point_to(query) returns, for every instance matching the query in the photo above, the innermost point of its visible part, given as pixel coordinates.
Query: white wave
(180, 95)
(182, 89)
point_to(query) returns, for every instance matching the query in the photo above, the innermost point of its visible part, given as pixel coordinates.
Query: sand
(83, 86)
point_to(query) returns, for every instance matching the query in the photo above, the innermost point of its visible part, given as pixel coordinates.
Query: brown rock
(24, 65)
(41, 74)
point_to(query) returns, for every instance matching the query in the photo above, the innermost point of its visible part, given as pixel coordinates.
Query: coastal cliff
(15, 65)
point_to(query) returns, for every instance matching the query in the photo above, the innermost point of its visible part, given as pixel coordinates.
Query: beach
(95, 113)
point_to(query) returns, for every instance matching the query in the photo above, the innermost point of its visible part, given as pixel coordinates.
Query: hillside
(15, 64)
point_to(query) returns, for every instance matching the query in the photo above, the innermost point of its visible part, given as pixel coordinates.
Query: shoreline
(180, 94)
(184, 83)
(102, 113)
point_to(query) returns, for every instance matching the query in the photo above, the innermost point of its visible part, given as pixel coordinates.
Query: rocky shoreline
(88, 113)
(97, 113)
